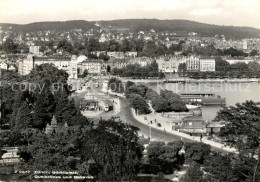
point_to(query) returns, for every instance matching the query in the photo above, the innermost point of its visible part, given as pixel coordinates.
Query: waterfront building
(92, 66)
(169, 64)
(117, 63)
(233, 60)
(142, 61)
(194, 125)
(193, 63)
(207, 64)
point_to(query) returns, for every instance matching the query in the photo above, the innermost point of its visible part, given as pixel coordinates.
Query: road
(127, 116)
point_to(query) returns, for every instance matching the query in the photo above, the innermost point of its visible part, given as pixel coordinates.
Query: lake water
(233, 92)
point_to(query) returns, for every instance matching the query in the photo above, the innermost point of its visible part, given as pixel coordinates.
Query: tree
(242, 130)
(138, 103)
(154, 149)
(194, 173)
(65, 45)
(9, 46)
(254, 67)
(219, 167)
(196, 152)
(103, 56)
(116, 85)
(140, 89)
(221, 65)
(171, 151)
(182, 68)
(114, 147)
(253, 52)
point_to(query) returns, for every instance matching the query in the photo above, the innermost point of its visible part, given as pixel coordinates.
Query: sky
(220, 12)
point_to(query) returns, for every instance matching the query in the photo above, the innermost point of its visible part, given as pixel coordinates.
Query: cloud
(206, 12)
(240, 12)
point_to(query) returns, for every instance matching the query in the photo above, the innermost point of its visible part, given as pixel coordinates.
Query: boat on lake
(202, 99)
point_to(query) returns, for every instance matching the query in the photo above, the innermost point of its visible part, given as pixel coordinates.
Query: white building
(3, 65)
(67, 64)
(193, 63)
(116, 55)
(207, 64)
(233, 60)
(94, 66)
(34, 49)
(169, 64)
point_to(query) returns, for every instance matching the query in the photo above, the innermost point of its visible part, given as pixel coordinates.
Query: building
(73, 67)
(116, 55)
(3, 65)
(233, 60)
(193, 63)
(131, 54)
(92, 66)
(34, 49)
(142, 61)
(10, 157)
(117, 63)
(194, 125)
(244, 44)
(169, 64)
(97, 53)
(31, 61)
(207, 64)
(54, 127)
(26, 65)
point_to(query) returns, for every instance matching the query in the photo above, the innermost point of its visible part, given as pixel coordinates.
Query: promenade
(165, 127)
(189, 80)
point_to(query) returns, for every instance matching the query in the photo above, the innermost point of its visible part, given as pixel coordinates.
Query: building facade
(193, 63)
(92, 67)
(3, 65)
(65, 63)
(142, 61)
(169, 64)
(233, 60)
(34, 49)
(207, 64)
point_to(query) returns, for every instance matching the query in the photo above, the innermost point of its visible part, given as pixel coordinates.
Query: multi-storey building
(34, 49)
(207, 64)
(67, 64)
(142, 61)
(117, 63)
(169, 64)
(193, 63)
(93, 66)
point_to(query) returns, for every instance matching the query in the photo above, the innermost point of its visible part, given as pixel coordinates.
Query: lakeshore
(189, 80)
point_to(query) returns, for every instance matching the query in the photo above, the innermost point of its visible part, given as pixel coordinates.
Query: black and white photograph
(130, 90)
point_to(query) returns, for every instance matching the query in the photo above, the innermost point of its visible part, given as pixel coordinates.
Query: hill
(178, 26)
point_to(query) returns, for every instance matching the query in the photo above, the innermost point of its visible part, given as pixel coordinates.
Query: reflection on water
(233, 92)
